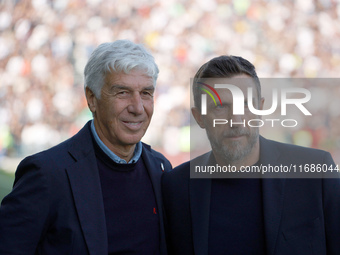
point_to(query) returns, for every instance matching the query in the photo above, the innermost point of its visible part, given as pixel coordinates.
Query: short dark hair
(224, 67)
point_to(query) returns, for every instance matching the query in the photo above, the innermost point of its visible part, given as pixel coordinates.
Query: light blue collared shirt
(136, 155)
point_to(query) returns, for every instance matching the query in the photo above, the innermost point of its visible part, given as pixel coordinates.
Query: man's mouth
(235, 137)
(134, 125)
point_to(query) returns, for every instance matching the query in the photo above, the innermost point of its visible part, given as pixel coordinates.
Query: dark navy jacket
(301, 216)
(56, 204)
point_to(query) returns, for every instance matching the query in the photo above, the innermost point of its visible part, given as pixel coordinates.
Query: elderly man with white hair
(99, 191)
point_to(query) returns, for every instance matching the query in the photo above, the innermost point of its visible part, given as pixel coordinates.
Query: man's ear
(91, 100)
(198, 117)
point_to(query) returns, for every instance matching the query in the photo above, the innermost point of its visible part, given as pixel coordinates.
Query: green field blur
(6, 183)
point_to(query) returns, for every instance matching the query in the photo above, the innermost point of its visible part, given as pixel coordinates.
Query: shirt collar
(136, 155)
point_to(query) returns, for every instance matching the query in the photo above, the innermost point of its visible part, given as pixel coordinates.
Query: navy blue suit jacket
(56, 204)
(301, 216)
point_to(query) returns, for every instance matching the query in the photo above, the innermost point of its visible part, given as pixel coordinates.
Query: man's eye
(220, 106)
(147, 93)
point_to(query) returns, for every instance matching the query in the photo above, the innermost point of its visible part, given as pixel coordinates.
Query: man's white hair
(118, 56)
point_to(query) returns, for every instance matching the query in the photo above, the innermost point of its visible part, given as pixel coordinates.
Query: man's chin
(235, 144)
(132, 140)
(233, 152)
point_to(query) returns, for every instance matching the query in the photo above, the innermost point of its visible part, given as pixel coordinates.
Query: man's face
(123, 113)
(233, 143)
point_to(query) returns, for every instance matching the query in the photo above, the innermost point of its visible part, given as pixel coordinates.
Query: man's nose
(237, 120)
(136, 105)
(237, 117)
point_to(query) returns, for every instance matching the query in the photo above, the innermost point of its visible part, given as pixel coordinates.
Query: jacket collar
(155, 169)
(86, 188)
(199, 193)
(272, 193)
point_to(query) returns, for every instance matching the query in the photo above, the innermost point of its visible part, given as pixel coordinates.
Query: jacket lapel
(155, 169)
(273, 196)
(85, 184)
(200, 190)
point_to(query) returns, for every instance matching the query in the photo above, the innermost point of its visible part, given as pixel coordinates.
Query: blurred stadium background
(44, 45)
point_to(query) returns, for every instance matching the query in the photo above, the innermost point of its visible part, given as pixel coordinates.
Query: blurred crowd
(44, 46)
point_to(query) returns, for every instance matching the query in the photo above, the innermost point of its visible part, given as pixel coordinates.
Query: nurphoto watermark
(232, 119)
